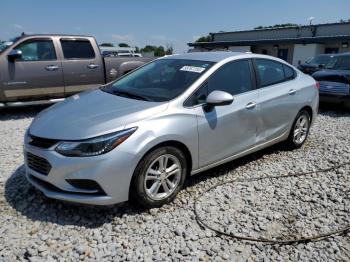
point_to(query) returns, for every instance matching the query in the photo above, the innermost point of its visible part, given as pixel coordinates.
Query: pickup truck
(36, 69)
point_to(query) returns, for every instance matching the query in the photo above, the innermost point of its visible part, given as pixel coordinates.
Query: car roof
(342, 54)
(325, 55)
(206, 56)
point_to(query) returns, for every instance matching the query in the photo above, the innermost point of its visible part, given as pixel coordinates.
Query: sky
(157, 22)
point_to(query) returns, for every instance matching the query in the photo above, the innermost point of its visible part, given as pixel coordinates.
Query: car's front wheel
(158, 177)
(300, 130)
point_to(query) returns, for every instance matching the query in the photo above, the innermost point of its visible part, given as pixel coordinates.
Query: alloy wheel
(301, 129)
(162, 177)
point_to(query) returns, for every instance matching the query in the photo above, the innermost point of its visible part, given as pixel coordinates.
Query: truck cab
(47, 67)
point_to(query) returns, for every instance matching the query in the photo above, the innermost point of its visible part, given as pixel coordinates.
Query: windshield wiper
(130, 95)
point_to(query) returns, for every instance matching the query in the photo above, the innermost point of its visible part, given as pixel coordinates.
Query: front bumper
(112, 172)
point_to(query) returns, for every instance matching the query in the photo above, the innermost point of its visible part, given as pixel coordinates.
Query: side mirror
(14, 54)
(219, 98)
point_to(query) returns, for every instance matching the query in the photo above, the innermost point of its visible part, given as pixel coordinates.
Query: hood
(305, 65)
(342, 76)
(91, 114)
(308, 68)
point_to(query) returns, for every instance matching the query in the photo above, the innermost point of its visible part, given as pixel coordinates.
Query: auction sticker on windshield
(194, 69)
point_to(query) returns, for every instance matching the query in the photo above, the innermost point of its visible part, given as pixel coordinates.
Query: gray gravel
(35, 228)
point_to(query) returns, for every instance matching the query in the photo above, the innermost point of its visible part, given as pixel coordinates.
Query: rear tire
(300, 130)
(158, 177)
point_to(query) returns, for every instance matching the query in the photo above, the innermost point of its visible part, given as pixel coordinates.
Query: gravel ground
(35, 228)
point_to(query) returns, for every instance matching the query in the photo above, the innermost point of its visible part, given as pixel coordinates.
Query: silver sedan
(141, 136)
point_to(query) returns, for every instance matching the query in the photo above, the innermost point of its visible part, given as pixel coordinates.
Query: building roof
(279, 28)
(318, 33)
(205, 56)
(296, 40)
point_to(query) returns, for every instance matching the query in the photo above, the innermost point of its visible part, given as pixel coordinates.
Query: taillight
(317, 85)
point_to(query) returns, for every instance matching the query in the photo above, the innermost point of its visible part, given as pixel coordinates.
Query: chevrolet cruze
(141, 136)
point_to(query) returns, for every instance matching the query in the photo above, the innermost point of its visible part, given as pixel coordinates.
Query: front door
(36, 75)
(228, 130)
(82, 65)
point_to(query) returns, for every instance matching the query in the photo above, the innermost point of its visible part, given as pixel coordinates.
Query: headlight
(94, 146)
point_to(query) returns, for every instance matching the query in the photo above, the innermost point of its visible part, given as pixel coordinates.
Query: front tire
(158, 177)
(300, 130)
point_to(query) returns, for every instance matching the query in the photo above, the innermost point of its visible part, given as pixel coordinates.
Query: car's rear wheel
(300, 130)
(158, 177)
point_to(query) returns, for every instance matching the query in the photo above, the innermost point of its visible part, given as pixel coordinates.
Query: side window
(289, 72)
(77, 49)
(234, 78)
(270, 72)
(37, 50)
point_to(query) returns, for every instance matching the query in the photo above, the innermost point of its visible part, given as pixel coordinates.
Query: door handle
(250, 105)
(51, 68)
(92, 66)
(292, 91)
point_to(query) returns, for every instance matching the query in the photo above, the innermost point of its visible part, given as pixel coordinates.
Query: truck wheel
(300, 130)
(158, 177)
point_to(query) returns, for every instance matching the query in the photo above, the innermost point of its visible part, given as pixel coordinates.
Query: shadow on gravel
(30, 202)
(334, 110)
(232, 165)
(16, 113)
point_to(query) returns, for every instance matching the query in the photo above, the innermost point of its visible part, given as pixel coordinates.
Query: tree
(204, 39)
(158, 50)
(169, 49)
(148, 48)
(276, 26)
(123, 45)
(107, 44)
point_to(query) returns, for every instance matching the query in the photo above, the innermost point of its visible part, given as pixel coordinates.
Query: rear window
(77, 49)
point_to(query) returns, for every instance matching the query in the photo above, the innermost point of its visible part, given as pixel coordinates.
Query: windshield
(161, 80)
(320, 60)
(4, 45)
(339, 63)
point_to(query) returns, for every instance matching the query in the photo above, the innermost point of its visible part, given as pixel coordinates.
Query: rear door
(82, 65)
(36, 75)
(278, 98)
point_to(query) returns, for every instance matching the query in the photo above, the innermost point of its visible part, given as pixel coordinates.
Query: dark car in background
(315, 64)
(334, 80)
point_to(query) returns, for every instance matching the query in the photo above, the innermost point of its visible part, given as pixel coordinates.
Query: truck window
(77, 49)
(37, 50)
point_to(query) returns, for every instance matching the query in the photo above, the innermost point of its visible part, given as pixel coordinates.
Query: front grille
(41, 142)
(38, 164)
